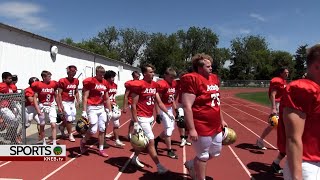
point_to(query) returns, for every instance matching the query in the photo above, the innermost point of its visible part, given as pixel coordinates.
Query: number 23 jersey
(206, 107)
(147, 92)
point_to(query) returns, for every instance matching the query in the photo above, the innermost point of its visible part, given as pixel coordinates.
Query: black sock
(186, 137)
(181, 137)
(158, 139)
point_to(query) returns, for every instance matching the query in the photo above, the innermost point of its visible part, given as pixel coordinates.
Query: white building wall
(26, 55)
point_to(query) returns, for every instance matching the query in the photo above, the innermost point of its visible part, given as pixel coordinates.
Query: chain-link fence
(12, 118)
(246, 83)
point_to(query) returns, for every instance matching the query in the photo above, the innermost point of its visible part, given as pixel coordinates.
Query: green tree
(68, 41)
(246, 54)
(300, 61)
(282, 59)
(132, 43)
(163, 51)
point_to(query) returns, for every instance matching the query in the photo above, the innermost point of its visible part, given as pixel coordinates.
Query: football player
(96, 107)
(301, 115)
(31, 113)
(7, 109)
(67, 94)
(180, 114)
(127, 100)
(45, 93)
(144, 96)
(276, 90)
(201, 105)
(166, 91)
(116, 112)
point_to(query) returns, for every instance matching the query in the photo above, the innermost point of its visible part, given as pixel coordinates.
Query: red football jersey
(68, 88)
(167, 92)
(128, 86)
(304, 95)
(5, 89)
(277, 84)
(146, 92)
(112, 92)
(46, 92)
(97, 89)
(28, 93)
(206, 107)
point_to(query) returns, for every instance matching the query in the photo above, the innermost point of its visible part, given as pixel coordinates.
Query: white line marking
(9, 179)
(249, 102)
(246, 113)
(239, 160)
(69, 161)
(5, 163)
(249, 129)
(127, 163)
(183, 161)
(250, 107)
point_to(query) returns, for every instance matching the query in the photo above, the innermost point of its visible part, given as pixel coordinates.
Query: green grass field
(258, 97)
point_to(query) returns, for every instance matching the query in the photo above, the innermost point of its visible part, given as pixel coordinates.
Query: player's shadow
(252, 148)
(120, 163)
(263, 171)
(169, 175)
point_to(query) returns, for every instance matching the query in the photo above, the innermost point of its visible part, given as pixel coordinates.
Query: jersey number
(215, 97)
(71, 93)
(170, 98)
(48, 97)
(150, 100)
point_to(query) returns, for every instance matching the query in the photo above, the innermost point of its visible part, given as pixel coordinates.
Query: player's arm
(35, 102)
(59, 99)
(77, 97)
(85, 96)
(135, 98)
(125, 100)
(107, 102)
(273, 101)
(187, 102)
(294, 121)
(160, 105)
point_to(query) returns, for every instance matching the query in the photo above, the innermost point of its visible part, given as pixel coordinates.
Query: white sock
(100, 147)
(54, 142)
(44, 141)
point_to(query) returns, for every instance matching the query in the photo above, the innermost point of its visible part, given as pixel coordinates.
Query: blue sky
(284, 24)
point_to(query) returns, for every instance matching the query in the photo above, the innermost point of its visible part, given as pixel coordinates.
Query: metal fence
(12, 118)
(246, 83)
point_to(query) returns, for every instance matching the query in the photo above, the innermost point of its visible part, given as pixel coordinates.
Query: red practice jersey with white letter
(98, 90)
(167, 92)
(146, 92)
(68, 88)
(206, 107)
(46, 92)
(304, 95)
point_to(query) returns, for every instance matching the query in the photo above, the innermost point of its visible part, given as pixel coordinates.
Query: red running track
(241, 160)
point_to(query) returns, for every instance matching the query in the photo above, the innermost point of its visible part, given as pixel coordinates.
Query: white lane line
(249, 129)
(249, 107)
(241, 163)
(183, 161)
(5, 163)
(69, 161)
(127, 163)
(248, 102)
(246, 113)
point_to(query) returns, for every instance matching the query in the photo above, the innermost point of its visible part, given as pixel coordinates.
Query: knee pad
(93, 128)
(215, 150)
(42, 122)
(204, 157)
(116, 123)
(70, 118)
(102, 126)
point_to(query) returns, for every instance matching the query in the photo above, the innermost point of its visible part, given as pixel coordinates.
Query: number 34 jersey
(206, 107)
(69, 88)
(147, 92)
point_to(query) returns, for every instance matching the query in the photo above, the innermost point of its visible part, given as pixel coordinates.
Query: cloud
(25, 14)
(258, 17)
(227, 31)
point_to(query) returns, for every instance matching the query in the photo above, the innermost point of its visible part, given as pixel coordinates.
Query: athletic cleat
(161, 169)
(276, 168)
(183, 142)
(136, 162)
(71, 138)
(260, 144)
(189, 165)
(172, 154)
(108, 136)
(188, 143)
(118, 143)
(103, 154)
